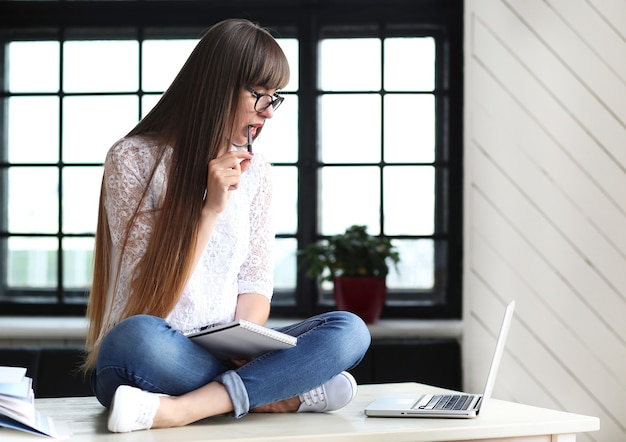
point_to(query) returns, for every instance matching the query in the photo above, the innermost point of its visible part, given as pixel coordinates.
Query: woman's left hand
(237, 363)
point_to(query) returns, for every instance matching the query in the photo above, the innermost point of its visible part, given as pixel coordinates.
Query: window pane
(350, 64)
(26, 145)
(285, 199)
(162, 59)
(77, 262)
(148, 102)
(81, 192)
(290, 48)
(349, 128)
(285, 264)
(91, 124)
(409, 195)
(409, 128)
(32, 262)
(26, 62)
(416, 269)
(410, 64)
(349, 195)
(278, 139)
(100, 66)
(33, 208)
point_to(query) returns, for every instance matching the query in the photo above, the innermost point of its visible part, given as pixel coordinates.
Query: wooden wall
(545, 203)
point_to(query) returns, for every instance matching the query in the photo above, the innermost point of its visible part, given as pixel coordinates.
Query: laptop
(453, 405)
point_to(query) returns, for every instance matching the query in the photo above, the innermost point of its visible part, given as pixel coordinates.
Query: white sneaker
(333, 395)
(132, 409)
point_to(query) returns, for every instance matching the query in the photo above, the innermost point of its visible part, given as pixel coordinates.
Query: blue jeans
(144, 351)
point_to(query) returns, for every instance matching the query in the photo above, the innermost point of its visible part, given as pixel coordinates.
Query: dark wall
(55, 370)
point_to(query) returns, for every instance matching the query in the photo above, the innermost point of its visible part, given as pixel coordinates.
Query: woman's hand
(238, 363)
(224, 176)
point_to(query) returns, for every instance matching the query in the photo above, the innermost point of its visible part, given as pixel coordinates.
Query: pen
(250, 139)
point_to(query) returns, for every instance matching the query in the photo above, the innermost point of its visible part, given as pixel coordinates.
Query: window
(369, 133)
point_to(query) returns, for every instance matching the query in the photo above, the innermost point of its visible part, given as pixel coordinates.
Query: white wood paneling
(545, 203)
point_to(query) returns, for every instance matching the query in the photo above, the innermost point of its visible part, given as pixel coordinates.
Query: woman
(181, 245)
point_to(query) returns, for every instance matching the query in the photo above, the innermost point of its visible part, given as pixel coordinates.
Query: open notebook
(457, 405)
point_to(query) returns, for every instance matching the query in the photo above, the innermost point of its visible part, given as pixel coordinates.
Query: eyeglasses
(263, 101)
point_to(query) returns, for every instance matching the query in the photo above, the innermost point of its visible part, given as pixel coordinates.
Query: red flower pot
(364, 296)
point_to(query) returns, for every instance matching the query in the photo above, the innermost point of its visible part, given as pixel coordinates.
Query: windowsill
(42, 328)
(15, 329)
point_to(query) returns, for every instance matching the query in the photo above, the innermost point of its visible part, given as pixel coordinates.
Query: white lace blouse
(237, 259)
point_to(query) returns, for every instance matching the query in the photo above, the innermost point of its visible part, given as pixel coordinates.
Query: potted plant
(357, 263)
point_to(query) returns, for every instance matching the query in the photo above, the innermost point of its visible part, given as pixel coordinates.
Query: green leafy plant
(353, 253)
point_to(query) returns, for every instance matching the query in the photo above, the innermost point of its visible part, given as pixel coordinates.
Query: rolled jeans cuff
(237, 392)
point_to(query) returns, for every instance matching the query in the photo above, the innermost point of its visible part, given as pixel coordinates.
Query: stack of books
(17, 406)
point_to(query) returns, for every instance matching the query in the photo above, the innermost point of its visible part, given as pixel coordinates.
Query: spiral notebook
(241, 339)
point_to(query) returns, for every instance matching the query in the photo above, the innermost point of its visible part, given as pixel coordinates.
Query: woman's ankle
(285, 406)
(168, 415)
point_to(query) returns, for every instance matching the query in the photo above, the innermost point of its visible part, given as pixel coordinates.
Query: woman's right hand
(224, 176)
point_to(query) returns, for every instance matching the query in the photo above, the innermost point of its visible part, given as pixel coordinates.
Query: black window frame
(303, 20)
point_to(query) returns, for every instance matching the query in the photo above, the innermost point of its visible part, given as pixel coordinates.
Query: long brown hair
(196, 117)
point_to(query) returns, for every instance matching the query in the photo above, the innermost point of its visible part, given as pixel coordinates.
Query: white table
(499, 421)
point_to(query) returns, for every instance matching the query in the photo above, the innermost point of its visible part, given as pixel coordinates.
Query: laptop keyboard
(447, 402)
